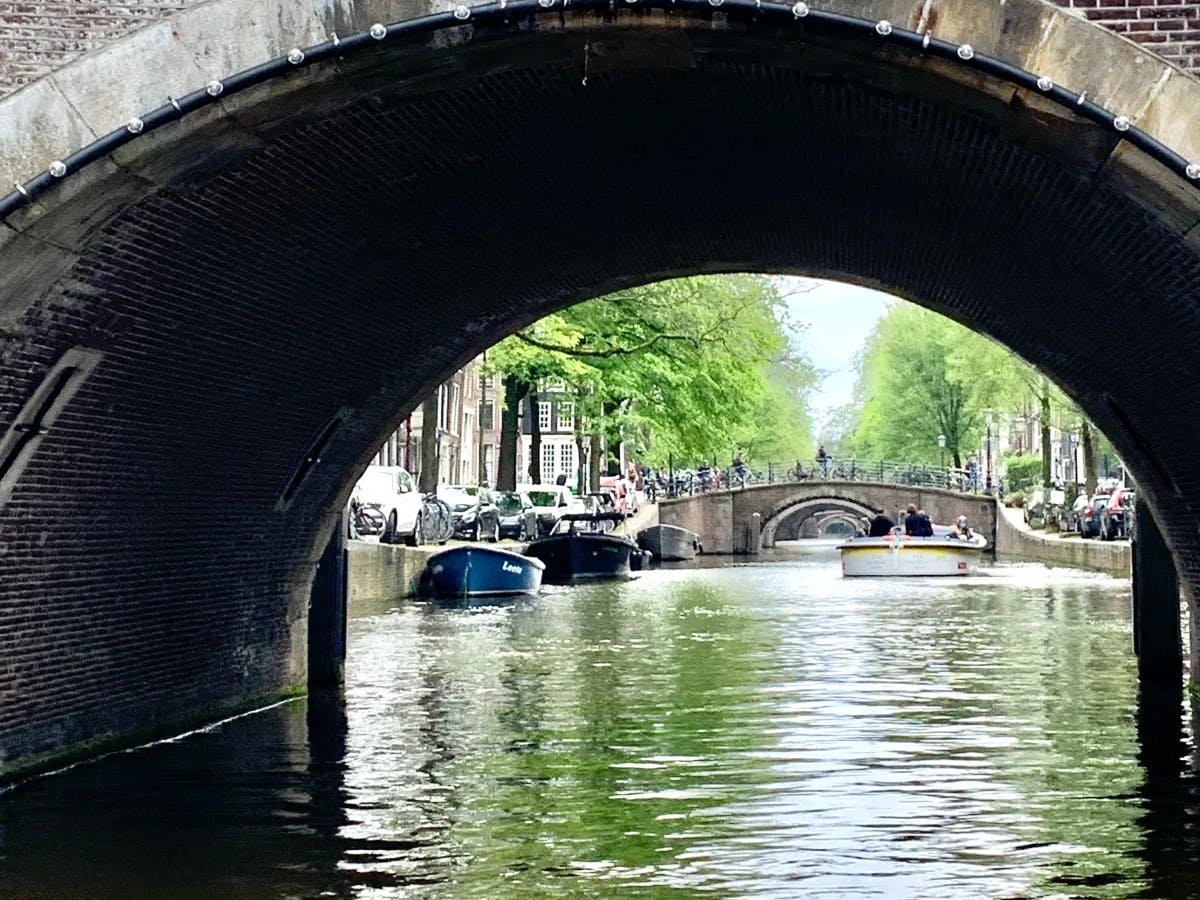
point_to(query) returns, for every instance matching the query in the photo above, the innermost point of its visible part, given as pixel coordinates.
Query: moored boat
(578, 549)
(905, 555)
(479, 572)
(669, 542)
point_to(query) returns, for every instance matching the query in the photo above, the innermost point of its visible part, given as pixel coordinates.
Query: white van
(551, 502)
(395, 492)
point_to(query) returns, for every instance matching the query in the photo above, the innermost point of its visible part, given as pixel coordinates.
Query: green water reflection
(770, 729)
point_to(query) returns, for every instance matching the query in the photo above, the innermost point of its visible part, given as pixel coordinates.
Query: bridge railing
(684, 482)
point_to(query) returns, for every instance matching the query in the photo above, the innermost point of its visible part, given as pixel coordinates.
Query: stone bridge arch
(847, 522)
(244, 243)
(805, 508)
(779, 527)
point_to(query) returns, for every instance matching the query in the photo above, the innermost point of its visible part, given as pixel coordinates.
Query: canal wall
(1016, 541)
(379, 573)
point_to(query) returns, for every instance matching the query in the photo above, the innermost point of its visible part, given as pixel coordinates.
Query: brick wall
(39, 36)
(1169, 28)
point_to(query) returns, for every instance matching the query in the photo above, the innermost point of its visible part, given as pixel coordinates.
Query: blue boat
(479, 572)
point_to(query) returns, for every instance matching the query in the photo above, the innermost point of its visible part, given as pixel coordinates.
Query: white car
(395, 492)
(551, 502)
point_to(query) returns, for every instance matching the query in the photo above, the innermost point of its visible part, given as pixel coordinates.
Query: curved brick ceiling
(391, 227)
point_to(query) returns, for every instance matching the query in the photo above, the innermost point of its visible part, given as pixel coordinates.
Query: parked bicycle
(437, 521)
(366, 519)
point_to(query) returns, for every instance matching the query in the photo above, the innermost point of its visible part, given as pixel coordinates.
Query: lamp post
(987, 418)
(942, 450)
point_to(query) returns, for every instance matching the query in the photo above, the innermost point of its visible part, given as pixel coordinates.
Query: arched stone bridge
(723, 519)
(249, 236)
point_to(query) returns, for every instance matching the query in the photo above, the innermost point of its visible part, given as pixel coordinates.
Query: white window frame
(566, 455)
(543, 413)
(566, 416)
(548, 457)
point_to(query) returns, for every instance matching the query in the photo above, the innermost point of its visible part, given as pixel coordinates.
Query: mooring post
(1156, 633)
(327, 613)
(754, 543)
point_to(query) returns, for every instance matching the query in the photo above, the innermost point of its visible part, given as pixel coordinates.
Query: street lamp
(987, 418)
(942, 450)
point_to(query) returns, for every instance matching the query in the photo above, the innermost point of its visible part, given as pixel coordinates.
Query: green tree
(694, 368)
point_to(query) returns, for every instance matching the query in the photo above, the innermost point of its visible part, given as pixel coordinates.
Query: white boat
(902, 554)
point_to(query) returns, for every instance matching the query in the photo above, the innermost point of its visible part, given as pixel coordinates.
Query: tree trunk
(595, 455)
(510, 434)
(1044, 400)
(1089, 458)
(429, 444)
(535, 437)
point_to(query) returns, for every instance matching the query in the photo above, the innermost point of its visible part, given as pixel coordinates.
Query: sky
(839, 318)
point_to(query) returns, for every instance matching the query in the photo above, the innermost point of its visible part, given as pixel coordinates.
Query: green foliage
(1022, 471)
(691, 369)
(921, 375)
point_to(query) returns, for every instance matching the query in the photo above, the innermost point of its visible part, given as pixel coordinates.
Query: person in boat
(961, 529)
(881, 526)
(916, 522)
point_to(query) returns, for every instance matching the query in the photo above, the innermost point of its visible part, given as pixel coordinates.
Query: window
(455, 409)
(547, 462)
(544, 416)
(443, 421)
(489, 453)
(485, 382)
(567, 459)
(552, 384)
(566, 417)
(487, 416)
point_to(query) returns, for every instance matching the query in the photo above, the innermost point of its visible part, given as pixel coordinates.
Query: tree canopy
(691, 369)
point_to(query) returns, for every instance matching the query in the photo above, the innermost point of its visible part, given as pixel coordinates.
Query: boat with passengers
(898, 554)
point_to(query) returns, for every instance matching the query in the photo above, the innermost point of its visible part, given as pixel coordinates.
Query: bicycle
(437, 521)
(365, 519)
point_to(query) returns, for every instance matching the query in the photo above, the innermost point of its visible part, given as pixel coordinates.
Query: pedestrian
(926, 524)
(973, 473)
(561, 479)
(823, 461)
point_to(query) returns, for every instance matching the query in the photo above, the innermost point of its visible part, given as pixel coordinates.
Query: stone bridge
(248, 236)
(725, 519)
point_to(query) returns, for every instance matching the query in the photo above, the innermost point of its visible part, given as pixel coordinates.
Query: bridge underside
(287, 280)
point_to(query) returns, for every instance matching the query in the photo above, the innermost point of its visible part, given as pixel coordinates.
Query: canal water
(769, 730)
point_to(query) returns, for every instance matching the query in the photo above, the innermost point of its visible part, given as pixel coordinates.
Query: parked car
(1117, 514)
(1082, 501)
(518, 518)
(1089, 519)
(551, 502)
(473, 513)
(394, 492)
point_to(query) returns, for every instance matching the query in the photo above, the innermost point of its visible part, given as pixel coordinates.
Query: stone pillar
(754, 545)
(1156, 632)
(327, 614)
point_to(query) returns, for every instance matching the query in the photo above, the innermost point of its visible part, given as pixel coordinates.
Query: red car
(1116, 515)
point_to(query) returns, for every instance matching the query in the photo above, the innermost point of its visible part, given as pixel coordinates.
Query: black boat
(578, 549)
(669, 542)
(479, 572)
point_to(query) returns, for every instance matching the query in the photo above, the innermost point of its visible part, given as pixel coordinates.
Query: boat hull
(585, 556)
(910, 556)
(479, 572)
(669, 542)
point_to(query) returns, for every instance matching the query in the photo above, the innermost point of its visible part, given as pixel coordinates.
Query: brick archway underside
(394, 217)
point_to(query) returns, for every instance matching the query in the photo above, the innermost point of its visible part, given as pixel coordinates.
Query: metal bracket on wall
(41, 410)
(310, 459)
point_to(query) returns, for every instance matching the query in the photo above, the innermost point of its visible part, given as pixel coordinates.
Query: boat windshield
(543, 498)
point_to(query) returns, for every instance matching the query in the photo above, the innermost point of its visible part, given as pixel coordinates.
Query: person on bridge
(823, 461)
